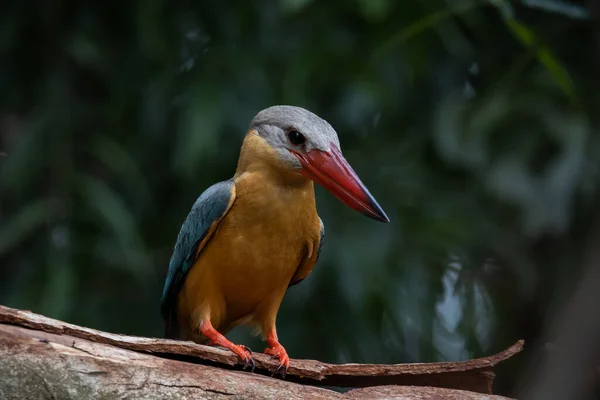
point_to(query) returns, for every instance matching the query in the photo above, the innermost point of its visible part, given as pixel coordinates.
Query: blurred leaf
(294, 6)
(504, 7)
(566, 8)
(421, 25)
(86, 52)
(26, 155)
(544, 55)
(198, 136)
(374, 10)
(25, 221)
(118, 220)
(57, 298)
(125, 168)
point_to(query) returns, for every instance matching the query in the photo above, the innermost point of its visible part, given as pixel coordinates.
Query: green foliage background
(473, 124)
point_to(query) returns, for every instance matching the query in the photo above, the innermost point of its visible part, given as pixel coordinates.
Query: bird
(247, 239)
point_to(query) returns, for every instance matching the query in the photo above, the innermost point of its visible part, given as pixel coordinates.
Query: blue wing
(204, 217)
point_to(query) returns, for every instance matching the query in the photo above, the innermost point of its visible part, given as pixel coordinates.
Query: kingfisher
(247, 239)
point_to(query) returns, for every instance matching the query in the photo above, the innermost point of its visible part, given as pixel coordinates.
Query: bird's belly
(237, 274)
(250, 277)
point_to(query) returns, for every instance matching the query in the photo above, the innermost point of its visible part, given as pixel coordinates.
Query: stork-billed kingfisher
(249, 238)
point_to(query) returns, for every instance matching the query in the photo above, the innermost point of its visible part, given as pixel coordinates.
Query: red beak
(332, 171)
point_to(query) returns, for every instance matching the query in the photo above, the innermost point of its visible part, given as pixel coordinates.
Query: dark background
(473, 124)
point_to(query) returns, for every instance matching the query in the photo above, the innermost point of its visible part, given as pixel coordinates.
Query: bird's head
(308, 145)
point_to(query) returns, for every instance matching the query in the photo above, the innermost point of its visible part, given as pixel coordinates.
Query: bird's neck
(270, 186)
(258, 158)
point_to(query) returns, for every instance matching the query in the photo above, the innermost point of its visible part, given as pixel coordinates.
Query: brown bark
(46, 358)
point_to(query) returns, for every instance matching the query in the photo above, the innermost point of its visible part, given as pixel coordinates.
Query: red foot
(216, 339)
(276, 350)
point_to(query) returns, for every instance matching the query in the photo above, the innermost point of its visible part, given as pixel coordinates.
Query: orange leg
(276, 350)
(215, 338)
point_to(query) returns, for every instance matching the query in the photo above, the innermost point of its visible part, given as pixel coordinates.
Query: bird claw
(247, 358)
(284, 361)
(245, 354)
(249, 361)
(282, 371)
(246, 348)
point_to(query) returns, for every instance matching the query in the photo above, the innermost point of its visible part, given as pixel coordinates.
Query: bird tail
(171, 331)
(171, 323)
(174, 331)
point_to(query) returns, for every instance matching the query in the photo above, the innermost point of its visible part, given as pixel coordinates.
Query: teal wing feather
(321, 240)
(208, 210)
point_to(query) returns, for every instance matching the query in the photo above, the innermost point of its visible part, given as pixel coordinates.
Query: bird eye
(296, 138)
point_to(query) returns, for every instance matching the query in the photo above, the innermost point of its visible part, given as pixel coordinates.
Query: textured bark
(417, 393)
(50, 359)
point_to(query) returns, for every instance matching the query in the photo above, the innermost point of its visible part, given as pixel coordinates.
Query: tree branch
(47, 358)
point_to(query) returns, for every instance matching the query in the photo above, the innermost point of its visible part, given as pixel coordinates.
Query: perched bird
(249, 238)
